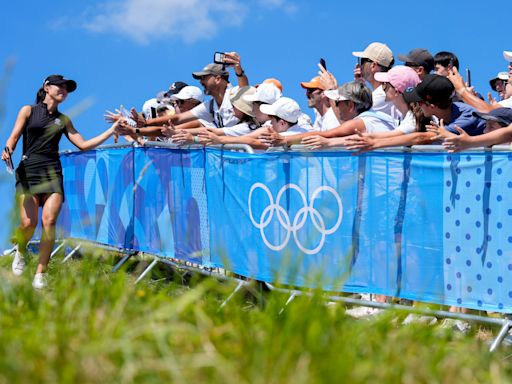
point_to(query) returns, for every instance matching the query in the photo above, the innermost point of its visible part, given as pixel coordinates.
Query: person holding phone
(39, 181)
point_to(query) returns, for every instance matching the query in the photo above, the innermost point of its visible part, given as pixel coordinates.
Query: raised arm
(233, 58)
(466, 95)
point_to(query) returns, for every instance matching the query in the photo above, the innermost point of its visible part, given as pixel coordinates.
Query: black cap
(70, 85)
(419, 57)
(175, 87)
(501, 115)
(434, 89)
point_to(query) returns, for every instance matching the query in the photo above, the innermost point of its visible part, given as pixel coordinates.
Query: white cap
(284, 108)
(146, 108)
(266, 93)
(189, 92)
(507, 55)
(334, 94)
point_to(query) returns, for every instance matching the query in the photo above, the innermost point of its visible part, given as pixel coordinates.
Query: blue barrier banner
(99, 196)
(427, 227)
(170, 203)
(430, 227)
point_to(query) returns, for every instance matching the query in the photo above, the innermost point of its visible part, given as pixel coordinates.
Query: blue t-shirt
(462, 116)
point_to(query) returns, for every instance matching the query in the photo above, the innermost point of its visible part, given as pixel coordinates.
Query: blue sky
(124, 52)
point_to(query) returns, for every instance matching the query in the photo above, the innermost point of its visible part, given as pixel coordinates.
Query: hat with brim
(507, 55)
(267, 93)
(500, 115)
(211, 69)
(240, 102)
(377, 52)
(313, 84)
(70, 85)
(420, 57)
(433, 89)
(187, 93)
(500, 76)
(284, 108)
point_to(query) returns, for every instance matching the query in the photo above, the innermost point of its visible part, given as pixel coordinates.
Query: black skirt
(39, 175)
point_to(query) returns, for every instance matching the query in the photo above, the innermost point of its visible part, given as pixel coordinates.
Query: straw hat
(240, 102)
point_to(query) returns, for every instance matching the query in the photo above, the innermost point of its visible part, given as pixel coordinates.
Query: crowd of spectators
(424, 100)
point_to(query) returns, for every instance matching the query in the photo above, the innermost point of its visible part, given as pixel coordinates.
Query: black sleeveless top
(40, 171)
(43, 132)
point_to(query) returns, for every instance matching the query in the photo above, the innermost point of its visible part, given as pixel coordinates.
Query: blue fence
(431, 227)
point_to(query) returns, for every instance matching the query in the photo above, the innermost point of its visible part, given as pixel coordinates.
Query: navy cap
(501, 115)
(70, 85)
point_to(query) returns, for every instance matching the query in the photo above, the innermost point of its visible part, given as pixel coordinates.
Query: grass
(93, 326)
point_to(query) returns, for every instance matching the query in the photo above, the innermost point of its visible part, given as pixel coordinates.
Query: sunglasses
(386, 86)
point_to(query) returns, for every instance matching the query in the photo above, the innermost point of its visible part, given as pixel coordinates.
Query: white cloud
(146, 20)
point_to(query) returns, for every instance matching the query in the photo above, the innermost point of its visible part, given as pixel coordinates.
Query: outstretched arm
(464, 141)
(76, 138)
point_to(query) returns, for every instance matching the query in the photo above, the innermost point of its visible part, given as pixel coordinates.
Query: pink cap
(400, 77)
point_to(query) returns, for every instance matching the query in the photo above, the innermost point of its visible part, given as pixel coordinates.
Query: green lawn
(94, 326)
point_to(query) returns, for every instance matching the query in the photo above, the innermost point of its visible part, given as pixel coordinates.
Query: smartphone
(219, 57)
(322, 63)
(468, 77)
(154, 114)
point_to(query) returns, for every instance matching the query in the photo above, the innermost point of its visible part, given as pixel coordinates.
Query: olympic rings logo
(308, 210)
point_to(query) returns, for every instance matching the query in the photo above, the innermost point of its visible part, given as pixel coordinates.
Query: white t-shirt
(238, 130)
(222, 117)
(507, 103)
(325, 122)
(381, 105)
(294, 130)
(377, 121)
(408, 124)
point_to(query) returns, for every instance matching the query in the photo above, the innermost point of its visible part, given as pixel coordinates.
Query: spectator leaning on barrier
(394, 83)
(325, 116)
(468, 96)
(376, 57)
(284, 114)
(268, 93)
(420, 60)
(187, 98)
(243, 110)
(353, 100)
(434, 95)
(497, 131)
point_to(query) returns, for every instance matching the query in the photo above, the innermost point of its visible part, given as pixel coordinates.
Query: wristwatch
(137, 131)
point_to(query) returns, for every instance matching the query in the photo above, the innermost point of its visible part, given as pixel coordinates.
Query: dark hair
(445, 58)
(41, 94)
